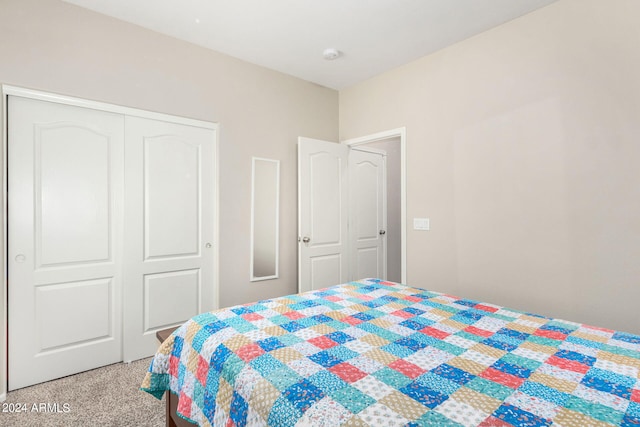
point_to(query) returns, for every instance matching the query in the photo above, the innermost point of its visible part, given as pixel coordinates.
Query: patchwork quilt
(374, 353)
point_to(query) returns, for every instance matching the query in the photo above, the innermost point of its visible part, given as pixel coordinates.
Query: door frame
(7, 91)
(400, 133)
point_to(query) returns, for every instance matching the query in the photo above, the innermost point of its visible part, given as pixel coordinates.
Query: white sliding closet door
(169, 229)
(111, 221)
(65, 192)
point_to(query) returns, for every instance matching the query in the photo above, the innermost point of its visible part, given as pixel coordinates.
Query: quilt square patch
(519, 417)
(303, 394)
(428, 397)
(348, 372)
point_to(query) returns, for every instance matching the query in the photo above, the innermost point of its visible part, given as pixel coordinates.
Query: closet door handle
(383, 232)
(306, 239)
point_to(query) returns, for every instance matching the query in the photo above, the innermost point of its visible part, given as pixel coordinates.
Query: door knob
(305, 239)
(20, 258)
(383, 232)
(208, 245)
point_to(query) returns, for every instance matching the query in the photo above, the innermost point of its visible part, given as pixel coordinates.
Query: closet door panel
(171, 197)
(65, 191)
(72, 200)
(169, 229)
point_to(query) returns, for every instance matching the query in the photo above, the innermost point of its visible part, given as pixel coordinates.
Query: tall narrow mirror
(265, 200)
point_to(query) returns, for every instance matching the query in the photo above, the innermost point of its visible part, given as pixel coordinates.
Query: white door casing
(169, 229)
(367, 214)
(65, 197)
(323, 214)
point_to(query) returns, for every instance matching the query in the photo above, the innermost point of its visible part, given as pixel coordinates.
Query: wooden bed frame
(171, 405)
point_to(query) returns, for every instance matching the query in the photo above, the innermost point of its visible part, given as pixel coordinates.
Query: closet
(110, 229)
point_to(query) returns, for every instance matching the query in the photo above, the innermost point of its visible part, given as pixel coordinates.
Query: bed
(376, 353)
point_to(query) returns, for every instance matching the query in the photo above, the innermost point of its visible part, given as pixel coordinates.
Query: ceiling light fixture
(330, 54)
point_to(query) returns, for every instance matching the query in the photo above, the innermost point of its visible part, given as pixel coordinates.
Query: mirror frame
(254, 160)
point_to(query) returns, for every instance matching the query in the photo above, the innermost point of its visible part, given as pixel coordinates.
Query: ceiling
(290, 35)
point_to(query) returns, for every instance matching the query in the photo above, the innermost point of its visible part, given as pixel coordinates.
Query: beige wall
(56, 47)
(523, 147)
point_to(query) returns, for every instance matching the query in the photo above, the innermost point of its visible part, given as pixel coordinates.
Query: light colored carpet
(108, 396)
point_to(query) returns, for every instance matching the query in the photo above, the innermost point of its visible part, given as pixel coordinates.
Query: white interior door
(367, 214)
(169, 220)
(65, 189)
(323, 214)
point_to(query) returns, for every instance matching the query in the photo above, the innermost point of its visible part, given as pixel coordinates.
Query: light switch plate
(421, 224)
